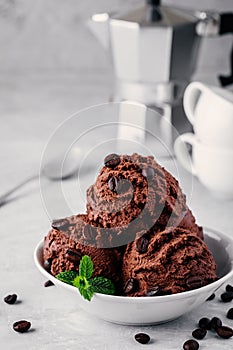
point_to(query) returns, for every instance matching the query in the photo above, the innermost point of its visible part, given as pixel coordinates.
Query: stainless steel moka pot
(154, 50)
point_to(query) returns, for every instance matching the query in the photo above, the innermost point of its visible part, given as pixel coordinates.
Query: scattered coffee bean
(61, 224)
(229, 288)
(142, 245)
(227, 297)
(21, 326)
(215, 323)
(191, 345)
(47, 264)
(194, 282)
(153, 292)
(199, 333)
(48, 283)
(224, 332)
(230, 314)
(142, 338)
(112, 183)
(148, 172)
(112, 160)
(130, 286)
(211, 297)
(10, 299)
(73, 255)
(204, 323)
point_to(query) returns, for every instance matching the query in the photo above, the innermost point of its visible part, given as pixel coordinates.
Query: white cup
(213, 166)
(210, 110)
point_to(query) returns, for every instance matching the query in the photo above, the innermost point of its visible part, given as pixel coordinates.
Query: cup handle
(191, 97)
(182, 153)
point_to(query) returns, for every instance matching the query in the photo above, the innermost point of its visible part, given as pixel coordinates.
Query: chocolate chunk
(112, 183)
(142, 338)
(112, 160)
(61, 224)
(224, 332)
(191, 345)
(215, 323)
(87, 233)
(230, 314)
(21, 326)
(204, 323)
(153, 292)
(194, 282)
(227, 297)
(211, 297)
(229, 288)
(10, 299)
(148, 172)
(48, 283)
(47, 264)
(130, 286)
(199, 333)
(73, 255)
(142, 244)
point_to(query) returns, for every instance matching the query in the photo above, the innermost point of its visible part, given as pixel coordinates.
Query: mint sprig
(83, 280)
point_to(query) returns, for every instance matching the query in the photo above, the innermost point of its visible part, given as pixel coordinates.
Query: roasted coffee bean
(21, 326)
(48, 283)
(215, 323)
(130, 286)
(229, 288)
(227, 297)
(199, 333)
(142, 244)
(194, 282)
(10, 299)
(47, 264)
(224, 332)
(112, 160)
(148, 172)
(211, 297)
(61, 224)
(112, 183)
(204, 323)
(230, 314)
(153, 292)
(191, 345)
(73, 255)
(142, 338)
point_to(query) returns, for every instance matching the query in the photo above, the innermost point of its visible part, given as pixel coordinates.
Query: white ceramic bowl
(152, 310)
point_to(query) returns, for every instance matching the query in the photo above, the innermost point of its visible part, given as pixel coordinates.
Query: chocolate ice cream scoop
(167, 262)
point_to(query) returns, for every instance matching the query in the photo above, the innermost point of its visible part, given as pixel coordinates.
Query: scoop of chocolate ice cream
(167, 262)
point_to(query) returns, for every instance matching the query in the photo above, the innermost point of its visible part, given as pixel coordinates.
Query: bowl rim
(145, 299)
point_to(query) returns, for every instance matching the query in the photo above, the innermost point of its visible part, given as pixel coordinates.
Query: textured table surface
(30, 109)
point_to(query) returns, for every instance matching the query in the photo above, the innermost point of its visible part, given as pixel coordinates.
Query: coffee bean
(191, 345)
(148, 172)
(10, 299)
(153, 292)
(199, 333)
(211, 297)
(227, 297)
(47, 264)
(194, 282)
(21, 326)
(215, 323)
(224, 332)
(61, 224)
(142, 338)
(230, 314)
(229, 288)
(204, 323)
(142, 245)
(130, 286)
(73, 255)
(48, 283)
(112, 183)
(112, 160)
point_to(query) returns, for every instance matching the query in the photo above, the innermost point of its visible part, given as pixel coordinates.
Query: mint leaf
(84, 287)
(67, 276)
(86, 267)
(102, 285)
